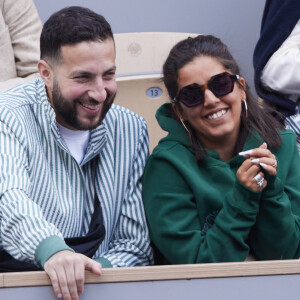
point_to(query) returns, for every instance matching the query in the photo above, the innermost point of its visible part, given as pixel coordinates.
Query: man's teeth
(89, 106)
(218, 114)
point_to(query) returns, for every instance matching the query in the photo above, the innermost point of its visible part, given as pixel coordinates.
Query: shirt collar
(98, 137)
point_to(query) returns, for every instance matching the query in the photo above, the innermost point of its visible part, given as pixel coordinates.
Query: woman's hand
(258, 157)
(263, 157)
(246, 175)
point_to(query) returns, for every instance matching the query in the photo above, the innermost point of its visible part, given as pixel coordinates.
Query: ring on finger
(259, 181)
(275, 163)
(258, 178)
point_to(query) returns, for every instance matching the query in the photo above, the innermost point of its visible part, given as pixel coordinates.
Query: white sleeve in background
(282, 72)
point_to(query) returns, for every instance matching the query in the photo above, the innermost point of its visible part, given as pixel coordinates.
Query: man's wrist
(48, 247)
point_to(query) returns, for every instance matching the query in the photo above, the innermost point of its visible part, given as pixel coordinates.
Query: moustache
(91, 101)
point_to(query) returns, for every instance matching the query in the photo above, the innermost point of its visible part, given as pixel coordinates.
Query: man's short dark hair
(69, 26)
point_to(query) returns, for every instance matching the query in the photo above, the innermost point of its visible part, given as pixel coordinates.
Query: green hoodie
(199, 212)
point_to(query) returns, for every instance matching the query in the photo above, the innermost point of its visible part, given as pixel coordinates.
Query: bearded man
(71, 161)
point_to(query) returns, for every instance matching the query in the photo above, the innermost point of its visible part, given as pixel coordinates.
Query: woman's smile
(217, 119)
(217, 115)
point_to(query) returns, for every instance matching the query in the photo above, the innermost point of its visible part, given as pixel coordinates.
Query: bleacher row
(259, 280)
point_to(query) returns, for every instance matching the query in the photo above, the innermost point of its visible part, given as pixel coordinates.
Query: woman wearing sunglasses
(225, 181)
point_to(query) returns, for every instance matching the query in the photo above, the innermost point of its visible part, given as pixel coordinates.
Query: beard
(67, 111)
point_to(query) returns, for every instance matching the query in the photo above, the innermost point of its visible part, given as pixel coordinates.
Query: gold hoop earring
(176, 110)
(182, 122)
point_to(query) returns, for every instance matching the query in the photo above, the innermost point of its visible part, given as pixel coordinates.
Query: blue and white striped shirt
(45, 193)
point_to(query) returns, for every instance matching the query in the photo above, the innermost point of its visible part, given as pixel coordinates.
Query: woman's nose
(210, 98)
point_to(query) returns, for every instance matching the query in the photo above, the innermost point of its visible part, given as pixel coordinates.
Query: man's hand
(66, 272)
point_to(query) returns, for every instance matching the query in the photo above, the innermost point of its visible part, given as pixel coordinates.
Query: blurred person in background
(277, 61)
(20, 29)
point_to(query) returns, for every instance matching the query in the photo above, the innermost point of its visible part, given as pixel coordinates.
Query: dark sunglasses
(193, 94)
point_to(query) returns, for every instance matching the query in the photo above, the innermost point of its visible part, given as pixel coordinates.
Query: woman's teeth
(217, 115)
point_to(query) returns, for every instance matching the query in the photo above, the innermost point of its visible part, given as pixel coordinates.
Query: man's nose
(97, 90)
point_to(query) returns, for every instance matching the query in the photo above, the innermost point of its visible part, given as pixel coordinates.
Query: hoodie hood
(175, 129)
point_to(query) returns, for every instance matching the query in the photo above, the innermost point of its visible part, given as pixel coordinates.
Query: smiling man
(71, 161)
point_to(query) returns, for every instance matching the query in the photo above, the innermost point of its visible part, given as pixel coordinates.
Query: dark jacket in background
(279, 19)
